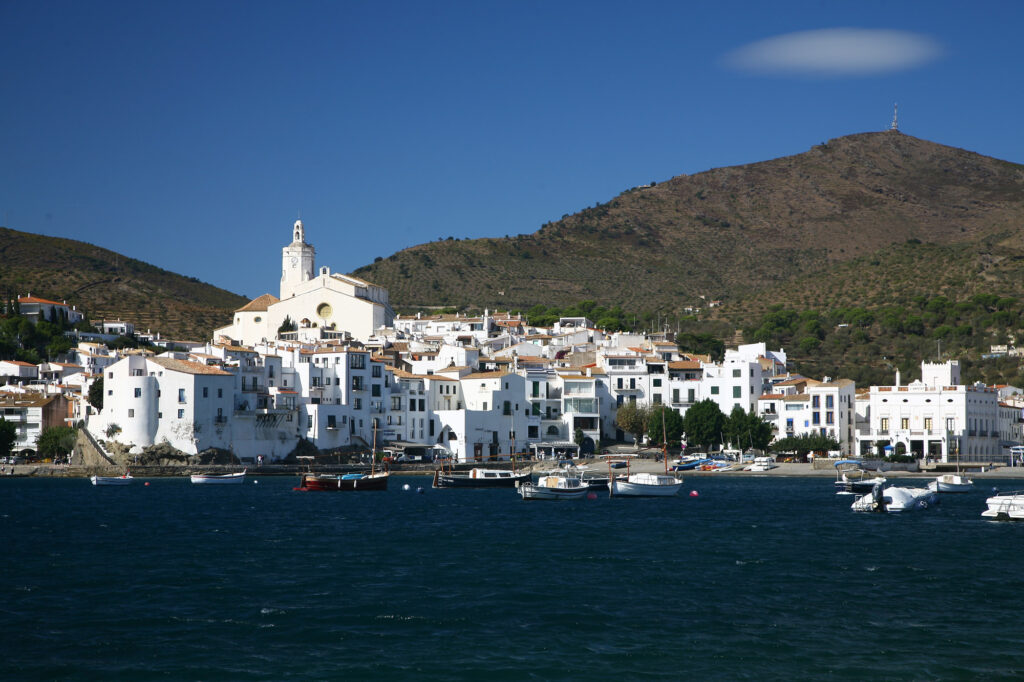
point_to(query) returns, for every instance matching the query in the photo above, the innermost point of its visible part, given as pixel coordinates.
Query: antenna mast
(895, 117)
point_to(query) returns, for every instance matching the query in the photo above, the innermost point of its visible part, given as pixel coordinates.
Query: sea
(736, 578)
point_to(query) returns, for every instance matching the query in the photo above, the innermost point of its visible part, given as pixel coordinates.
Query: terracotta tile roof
(36, 299)
(684, 364)
(187, 367)
(259, 304)
(771, 396)
(486, 375)
(18, 362)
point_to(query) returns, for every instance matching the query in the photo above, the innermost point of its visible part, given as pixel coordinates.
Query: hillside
(107, 285)
(732, 233)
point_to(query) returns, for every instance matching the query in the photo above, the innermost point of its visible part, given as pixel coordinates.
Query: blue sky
(191, 134)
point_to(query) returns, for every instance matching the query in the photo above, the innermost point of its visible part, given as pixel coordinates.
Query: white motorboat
(554, 486)
(112, 480)
(645, 485)
(762, 464)
(219, 479)
(895, 500)
(1007, 507)
(951, 483)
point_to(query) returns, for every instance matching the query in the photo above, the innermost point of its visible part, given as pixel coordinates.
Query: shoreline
(784, 470)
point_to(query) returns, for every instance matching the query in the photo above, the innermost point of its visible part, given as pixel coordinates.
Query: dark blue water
(757, 578)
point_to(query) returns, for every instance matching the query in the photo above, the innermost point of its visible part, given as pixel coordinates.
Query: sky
(191, 135)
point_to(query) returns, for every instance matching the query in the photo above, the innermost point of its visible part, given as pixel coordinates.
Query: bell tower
(297, 261)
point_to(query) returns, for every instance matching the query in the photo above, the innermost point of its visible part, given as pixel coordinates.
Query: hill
(108, 285)
(799, 226)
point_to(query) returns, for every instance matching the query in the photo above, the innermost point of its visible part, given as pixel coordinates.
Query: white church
(322, 305)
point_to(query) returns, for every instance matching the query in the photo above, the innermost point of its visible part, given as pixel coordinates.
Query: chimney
(897, 378)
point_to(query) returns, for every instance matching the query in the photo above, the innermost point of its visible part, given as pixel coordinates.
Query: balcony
(220, 419)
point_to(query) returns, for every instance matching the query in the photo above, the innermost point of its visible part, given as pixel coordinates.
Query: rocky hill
(108, 285)
(797, 227)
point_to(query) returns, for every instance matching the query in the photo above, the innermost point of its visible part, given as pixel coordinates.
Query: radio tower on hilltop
(895, 117)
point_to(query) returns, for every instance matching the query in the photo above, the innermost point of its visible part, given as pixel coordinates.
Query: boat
(322, 482)
(480, 478)
(1005, 507)
(895, 499)
(762, 464)
(554, 486)
(219, 479)
(592, 480)
(126, 479)
(645, 484)
(340, 482)
(851, 478)
(951, 483)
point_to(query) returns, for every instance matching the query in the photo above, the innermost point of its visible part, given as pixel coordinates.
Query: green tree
(95, 396)
(8, 437)
(56, 440)
(808, 442)
(287, 326)
(702, 344)
(632, 418)
(704, 424)
(578, 436)
(673, 425)
(747, 430)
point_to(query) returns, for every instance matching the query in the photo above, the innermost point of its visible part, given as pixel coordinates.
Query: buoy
(405, 487)
(420, 490)
(255, 482)
(694, 493)
(146, 483)
(591, 496)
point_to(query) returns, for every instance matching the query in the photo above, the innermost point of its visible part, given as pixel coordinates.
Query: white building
(321, 305)
(813, 407)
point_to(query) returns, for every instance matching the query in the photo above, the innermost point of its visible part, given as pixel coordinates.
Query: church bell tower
(297, 262)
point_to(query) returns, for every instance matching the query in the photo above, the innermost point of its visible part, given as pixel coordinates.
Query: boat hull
(896, 500)
(111, 480)
(654, 486)
(218, 479)
(1009, 507)
(337, 483)
(951, 484)
(442, 480)
(531, 491)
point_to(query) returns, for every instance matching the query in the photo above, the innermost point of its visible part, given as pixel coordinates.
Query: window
(714, 390)
(357, 361)
(181, 395)
(632, 383)
(375, 371)
(789, 425)
(309, 421)
(507, 408)
(815, 418)
(357, 383)
(110, 375)
(357, 403)
(656, 383)
(675, 395)
(431, 427)
(206, 392)
(830, 417)
(618, 383)
(181, 414)
(131, 413)
(950, 423)
(656, 398)
(331, 422)
(927, 423)
(829, 402)
(396, 402)
(736, 373)
(815, 401)
(737, 391)
(220, 392)
(138, 393)
(375, 390)
(905, 423)
(884, 425)
(689, 395)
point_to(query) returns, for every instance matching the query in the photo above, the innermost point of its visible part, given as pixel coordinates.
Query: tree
(578, 436)
(287, 326)
(704, 424)
(632, 418)
(673, 425)
(747, 429)
(56, 440)
(808, 442)
(702, 344)
(95, 396)
(8, 437)
(112, 430)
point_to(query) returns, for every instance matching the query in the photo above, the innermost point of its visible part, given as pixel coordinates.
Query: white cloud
(836, 52)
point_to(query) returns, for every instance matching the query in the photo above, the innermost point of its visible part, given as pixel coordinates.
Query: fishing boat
(645, 484)
(851, 478)
(322, 482)
(557, 485)
(314, 482)
(126, 479)
(480, 478)
(895, 500)
(219, 479)
(1006, 507)
(951, 483)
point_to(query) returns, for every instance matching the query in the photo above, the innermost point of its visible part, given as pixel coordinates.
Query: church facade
(320, 304)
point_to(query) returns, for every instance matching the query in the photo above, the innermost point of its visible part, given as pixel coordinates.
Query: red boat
(334, 482)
